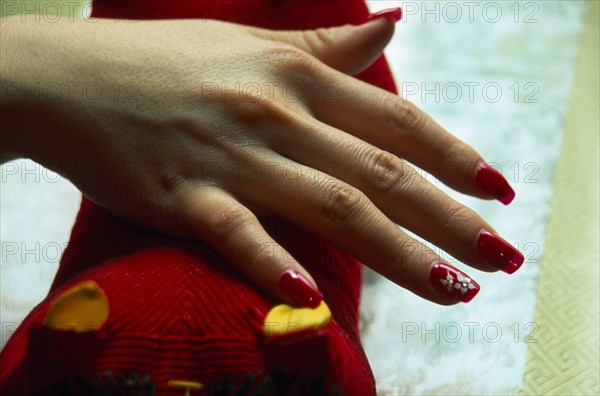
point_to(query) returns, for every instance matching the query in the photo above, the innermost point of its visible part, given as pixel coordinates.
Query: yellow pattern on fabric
(81, 308)
(283, 319)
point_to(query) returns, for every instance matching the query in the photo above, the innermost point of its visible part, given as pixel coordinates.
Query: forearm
(35, 73)
(9, 106)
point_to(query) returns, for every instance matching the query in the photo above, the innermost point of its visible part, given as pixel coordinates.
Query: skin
(163, 145)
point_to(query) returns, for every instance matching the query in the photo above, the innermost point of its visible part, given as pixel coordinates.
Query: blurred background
(518, 80)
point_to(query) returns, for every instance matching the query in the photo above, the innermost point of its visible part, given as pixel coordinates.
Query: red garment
(177, 310)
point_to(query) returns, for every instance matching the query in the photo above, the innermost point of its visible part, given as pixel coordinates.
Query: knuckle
(256, 110)
(227, 221)
(255, 255)
(385, 171)
(342, 202)
(410, 252)
(457, 217)
(319, 40)
(324, 37)
(405, 116)
(287, 58)
(454, 162)
(452, 150)
(171, 182)
(399, 261)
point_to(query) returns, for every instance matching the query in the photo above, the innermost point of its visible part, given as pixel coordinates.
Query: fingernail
(490, 181)
(449, 280)
(499, 253)
(393, 14)
(300, 289)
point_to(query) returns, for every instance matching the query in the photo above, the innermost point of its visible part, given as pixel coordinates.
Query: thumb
(349, 48)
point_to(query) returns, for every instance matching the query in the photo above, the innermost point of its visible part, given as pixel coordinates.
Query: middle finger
(402, 194)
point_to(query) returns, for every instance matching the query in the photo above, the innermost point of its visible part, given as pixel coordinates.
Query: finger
(234, 231)
(348, 48)
(398, 126)
(342, 214)
(402, 194)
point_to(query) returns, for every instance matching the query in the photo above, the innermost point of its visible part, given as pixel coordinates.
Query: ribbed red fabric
(177, 310)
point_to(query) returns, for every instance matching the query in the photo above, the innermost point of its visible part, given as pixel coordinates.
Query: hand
(195, 128)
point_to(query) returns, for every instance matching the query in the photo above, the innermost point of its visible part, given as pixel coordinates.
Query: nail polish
(393, 14)
(490, 181)
(300, 289)
(499, 253)
(450, 280)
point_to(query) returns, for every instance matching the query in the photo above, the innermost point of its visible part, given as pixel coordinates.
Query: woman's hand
(196, 127)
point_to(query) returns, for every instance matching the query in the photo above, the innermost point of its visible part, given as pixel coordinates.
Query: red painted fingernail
(449, 280)
(490, 181)
(393, 14)
(300, 289)
(499, 253)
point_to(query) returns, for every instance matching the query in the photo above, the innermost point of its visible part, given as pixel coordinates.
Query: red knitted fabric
(177, 310)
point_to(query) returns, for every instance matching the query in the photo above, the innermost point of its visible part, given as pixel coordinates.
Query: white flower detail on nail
(461, 283)
(448, 282)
